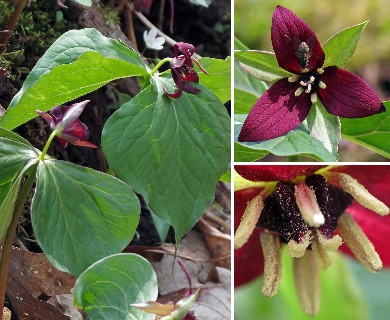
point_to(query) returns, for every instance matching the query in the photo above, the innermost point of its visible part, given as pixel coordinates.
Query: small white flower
(152, 41)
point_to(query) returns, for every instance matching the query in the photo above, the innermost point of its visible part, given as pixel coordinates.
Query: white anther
(299, 91)
(308, 88)
(311, 79)
(320, 71)
(303, 83)
(293, 78)
(322, 85)
(313, 97)
(306, 70)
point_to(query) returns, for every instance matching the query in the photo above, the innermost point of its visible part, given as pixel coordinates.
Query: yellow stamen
(297, 249)
(248, 221)
(313, 97)
(299, 91)
(320, 71)
(320, 253)
(293, 78)
(358, 242)
(366, 199)
(307, 283)
(270, 243)
(322, 85)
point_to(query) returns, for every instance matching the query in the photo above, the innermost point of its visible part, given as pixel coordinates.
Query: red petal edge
(274, 172)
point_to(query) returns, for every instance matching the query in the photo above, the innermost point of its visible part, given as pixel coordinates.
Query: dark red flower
(287, 102)
(289, 216)
(64, 120)
(182, 69)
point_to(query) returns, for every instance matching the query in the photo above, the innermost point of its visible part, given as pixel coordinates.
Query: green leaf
(295, 142)
(13, 136)
(371, 132)
(247, 90)
(172, 151)
(107, 288)
(261, 64)
(14, 155)
(67, 82)
(8, 202)
(92, 214)
(238, 45)
(161, 226)
(246, 154)
(340, 47)
(65, 50)
(226, 177)
(218, 80)
(325, 127)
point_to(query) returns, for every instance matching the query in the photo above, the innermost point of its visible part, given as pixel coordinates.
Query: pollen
(299, 91)
(248, 221)
(293, 78)
(270, 244)
(361, 194)
(322, 85)
(358, 242)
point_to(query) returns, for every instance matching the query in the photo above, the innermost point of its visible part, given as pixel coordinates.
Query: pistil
(308, 205)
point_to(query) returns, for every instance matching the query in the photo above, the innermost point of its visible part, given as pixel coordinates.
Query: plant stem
(292, 158)
(11, 25)
(158, 65)
(47, 145)
(7, 246)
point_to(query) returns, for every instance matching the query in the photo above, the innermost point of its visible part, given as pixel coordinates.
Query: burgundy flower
(287, 102)
(64, 120)
(311, 210)
(182, 69)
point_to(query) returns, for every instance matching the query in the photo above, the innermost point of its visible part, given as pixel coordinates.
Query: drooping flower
(288, 101)
(69, 129)
(171, 310)
(182, 69)
(311, 210)
(152, 41)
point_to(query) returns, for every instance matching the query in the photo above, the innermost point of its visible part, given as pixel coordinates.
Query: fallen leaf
(35, 274)
(218, 243)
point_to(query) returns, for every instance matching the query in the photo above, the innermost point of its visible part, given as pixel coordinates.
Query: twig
(130, 26)
(11, 25)
(150, 25)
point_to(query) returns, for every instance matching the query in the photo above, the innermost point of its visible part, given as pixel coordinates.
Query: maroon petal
(177, 62)
(47, 117)
(274, 173)
(187, 87)
(347, 95)
(287, 32)
(276, 112)
(187, 48)
(176, 78)
(189, 75)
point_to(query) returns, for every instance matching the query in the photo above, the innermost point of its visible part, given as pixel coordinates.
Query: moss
(35, 31)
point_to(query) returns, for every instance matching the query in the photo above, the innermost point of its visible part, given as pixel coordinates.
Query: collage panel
(310, 241)
(115, 155)
(311, 81)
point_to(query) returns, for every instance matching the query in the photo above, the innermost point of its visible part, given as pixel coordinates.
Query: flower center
(309, 83)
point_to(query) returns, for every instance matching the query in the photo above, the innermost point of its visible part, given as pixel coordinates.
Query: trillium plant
(170, 148)
(309, 91)
(308, 211)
